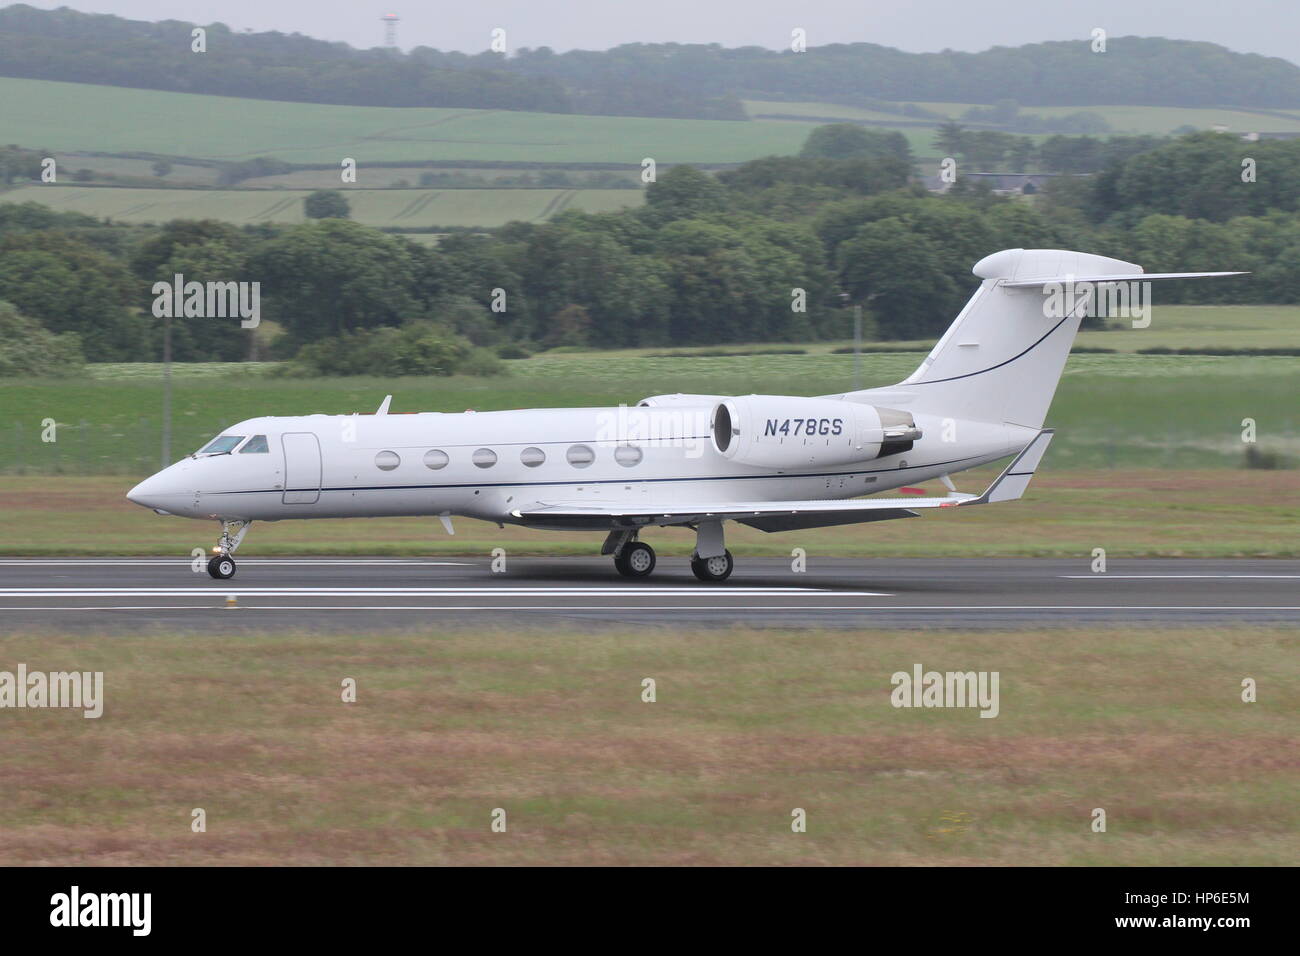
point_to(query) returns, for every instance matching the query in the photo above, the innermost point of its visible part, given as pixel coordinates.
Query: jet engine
(777, 431)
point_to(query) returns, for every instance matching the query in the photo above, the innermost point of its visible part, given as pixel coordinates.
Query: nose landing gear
(222, 566)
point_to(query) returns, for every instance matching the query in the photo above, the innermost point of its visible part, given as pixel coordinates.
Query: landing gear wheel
(716, 568)
(636, 560)
(222, 567)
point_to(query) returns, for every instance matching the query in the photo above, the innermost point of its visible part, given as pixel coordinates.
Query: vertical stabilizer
(1001, 359)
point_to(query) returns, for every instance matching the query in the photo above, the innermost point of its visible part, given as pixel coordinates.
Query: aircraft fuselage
(473, 464)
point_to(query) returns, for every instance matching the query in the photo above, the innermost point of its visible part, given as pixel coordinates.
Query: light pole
(857, 341)
(167, 392)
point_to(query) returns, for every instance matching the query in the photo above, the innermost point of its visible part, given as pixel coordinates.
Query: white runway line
(557, 593)
(172, 562)
(1177, 577)
(664, 607)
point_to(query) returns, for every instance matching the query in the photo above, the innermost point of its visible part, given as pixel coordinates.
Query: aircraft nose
(154, 492)
(142, 493)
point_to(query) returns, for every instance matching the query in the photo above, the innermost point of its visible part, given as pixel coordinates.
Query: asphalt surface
(360, 594)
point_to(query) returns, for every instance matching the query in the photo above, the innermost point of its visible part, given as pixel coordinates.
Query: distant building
(1002, 184)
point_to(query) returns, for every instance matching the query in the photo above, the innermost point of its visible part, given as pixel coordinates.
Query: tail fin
(1001, 360)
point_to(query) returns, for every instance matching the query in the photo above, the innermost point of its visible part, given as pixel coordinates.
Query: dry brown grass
(748, 725)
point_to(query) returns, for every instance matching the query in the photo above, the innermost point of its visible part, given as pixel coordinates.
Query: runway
(130, 594)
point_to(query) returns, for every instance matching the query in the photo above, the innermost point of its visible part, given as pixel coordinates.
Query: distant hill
(108, 50)
(1138, 71)
(658, 80)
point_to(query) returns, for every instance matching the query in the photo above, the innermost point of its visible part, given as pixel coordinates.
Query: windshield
(221, 445)
(256, 445)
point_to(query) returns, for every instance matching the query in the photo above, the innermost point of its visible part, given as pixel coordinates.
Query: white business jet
(772, 462)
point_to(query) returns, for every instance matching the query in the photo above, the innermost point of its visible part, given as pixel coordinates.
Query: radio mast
(390, 29)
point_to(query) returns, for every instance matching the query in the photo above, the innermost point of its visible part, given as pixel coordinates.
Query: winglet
(383, 408)
(1013, 481)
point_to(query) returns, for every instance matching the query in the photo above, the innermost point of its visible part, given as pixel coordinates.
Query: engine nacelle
(777, 431)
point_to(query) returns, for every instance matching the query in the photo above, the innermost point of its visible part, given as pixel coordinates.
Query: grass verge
(450, 724)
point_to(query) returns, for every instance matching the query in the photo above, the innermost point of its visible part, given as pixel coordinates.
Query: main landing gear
(222, 566)
(632, 558)
(635, 560)
(716, 568)
(711, 562)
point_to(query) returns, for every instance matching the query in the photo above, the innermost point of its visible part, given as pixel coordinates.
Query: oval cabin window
(627, 455)
(387, 460)
(484, 458)
(435, 459)
(532, 457)
(580, 456)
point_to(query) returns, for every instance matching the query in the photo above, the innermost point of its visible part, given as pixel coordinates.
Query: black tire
(222, 567)
(718, 568)
(636, 560)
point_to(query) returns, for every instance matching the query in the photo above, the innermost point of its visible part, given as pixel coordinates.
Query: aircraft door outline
(302, 468)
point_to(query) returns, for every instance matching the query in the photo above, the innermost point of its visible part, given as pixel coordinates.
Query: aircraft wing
(782, 515)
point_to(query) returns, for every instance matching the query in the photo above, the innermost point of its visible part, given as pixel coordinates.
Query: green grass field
(1155, 120)
(1124, 120)
(66, 117)
(451, 723)
(384, 177)
(1191, 326)
(1172, 326)
(1204, 326)
(816, 111)
(1119, 410)
(811, 114)
(410, 208)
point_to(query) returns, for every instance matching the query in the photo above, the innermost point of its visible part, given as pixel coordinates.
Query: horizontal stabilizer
(1013, 481)
(1096, 280)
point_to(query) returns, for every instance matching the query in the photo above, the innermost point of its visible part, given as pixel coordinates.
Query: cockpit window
(255, 446)
(221, 445)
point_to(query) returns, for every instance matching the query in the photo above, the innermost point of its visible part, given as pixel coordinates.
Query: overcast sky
(1271, 27)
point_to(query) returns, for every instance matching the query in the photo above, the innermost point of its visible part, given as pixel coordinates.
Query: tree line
(994, 150)
(759, 253)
